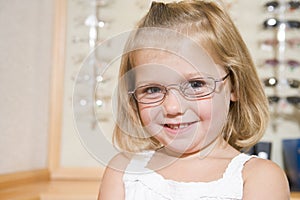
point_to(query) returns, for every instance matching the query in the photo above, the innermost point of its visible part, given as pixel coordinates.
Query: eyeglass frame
(168, 87)
(290, 23)
(292, 42)
(293, 83)
(294, 100)
(273, 5)
(275, 62)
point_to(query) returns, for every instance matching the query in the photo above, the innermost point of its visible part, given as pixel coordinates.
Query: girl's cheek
(203, 109)
(145, 119)
(145, 115)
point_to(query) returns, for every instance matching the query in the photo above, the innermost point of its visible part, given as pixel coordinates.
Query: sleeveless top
(150, 185)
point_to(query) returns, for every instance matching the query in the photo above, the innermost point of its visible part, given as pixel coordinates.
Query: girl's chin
(178, 152)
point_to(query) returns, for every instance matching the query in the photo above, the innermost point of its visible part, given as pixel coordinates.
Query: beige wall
(25, 66)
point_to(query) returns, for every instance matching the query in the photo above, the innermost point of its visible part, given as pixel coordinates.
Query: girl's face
(182, 125)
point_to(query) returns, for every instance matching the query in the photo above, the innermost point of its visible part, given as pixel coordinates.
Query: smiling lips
(178, 126)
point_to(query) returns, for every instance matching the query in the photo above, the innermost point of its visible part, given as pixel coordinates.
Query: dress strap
(139, 162)
(236, 165)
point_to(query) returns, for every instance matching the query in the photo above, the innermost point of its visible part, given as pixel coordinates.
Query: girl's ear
(233, 96)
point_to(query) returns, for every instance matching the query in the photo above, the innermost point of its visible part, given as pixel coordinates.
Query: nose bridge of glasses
(177, 87)
(173, 101)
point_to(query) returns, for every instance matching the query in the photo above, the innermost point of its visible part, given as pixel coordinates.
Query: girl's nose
(172, 103)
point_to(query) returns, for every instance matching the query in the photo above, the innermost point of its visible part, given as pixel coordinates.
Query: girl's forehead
(186, 62)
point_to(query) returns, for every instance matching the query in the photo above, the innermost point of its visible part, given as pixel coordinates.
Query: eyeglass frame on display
(293, 100)
(274, 22)
(268, 43)
(275, 62)
(273, 81)
(272, 6)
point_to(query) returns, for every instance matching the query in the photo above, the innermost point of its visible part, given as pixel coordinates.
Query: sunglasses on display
(293, 100)
(275, 62)
(273, 23)
(271, 43)
(273, 81)
(274, 5)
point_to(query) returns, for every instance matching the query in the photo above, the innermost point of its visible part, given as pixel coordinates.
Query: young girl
(189, 99)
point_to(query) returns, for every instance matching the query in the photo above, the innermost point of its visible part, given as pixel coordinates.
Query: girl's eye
(197, 84)
(152, 90)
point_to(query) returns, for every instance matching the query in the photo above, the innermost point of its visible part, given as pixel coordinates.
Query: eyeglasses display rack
(270, 29)
(91, 71)
(283, 85)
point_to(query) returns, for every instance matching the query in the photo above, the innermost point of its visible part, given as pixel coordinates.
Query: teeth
(178, 126)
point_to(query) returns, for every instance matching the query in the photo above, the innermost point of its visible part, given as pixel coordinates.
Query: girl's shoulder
(120, 161)
(111, 182)
(263, 179)
(123, 162)
(259, 168)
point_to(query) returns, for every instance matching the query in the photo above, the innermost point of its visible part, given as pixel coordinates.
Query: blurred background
(50, 69)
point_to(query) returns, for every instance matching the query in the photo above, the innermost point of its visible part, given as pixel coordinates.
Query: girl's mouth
(178, 128)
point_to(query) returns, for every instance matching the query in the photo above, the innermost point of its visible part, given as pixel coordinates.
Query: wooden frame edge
(57, 84)
(18, 178)
(56, 105)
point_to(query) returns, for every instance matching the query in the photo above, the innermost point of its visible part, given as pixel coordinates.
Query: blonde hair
(209, 25)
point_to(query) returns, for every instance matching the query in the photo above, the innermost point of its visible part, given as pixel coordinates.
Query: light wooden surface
(62, 190)
(295, 196)
(75, 190)
(78, 174)
(22, 178)
(53, 190)
(57, 82)
(65, 184)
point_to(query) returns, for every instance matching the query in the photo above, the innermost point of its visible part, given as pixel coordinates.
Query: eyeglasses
(273, 23)
(271, 43)
(294, 100)
(273, 5)
(272, 82)
(192, 89)
(275, 62)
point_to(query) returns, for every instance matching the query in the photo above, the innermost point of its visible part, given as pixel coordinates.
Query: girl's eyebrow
(195, 74)
(141, 83)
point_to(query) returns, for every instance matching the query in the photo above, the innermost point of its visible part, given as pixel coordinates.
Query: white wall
(25, 67)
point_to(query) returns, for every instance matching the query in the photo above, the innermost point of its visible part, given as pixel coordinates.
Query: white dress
(152, 186)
